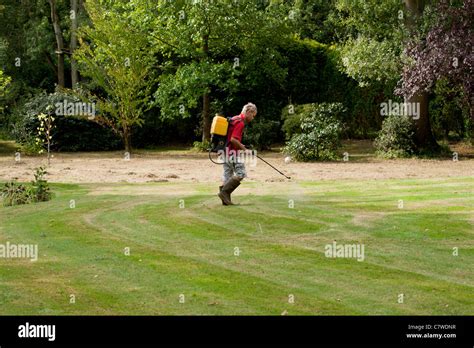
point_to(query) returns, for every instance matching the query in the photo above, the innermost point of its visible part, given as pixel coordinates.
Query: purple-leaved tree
(445, 52)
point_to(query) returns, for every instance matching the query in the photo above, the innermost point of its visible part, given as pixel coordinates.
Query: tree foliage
(372, 39)
(213, 42)
(4, 82)
(315, 20)
(445, 52)
(119, 63)
(158, 69)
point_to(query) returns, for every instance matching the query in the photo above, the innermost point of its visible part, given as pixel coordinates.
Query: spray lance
(260, 158)
(219, 129)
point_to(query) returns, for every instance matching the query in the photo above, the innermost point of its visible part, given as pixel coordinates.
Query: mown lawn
(191, 250)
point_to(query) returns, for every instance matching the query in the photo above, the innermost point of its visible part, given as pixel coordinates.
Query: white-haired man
(234, 167)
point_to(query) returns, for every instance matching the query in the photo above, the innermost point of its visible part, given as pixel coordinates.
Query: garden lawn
(189, 255)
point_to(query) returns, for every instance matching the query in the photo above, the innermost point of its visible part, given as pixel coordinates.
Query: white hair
(249, 107)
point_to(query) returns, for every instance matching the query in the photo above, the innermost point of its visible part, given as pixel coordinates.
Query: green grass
(190, 251)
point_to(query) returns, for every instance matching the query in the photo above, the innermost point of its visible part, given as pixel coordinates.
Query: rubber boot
(220, 189)
(228, 188)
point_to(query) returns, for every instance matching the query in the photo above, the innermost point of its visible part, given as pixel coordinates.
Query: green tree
(375, 36)
(27, 46)
(372, 44)
(314, 19)
(115, 54)
(206, 44)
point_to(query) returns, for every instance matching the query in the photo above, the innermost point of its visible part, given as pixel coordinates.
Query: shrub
(396, 138)
(201, 146)
(261, 134)
(29, 145)
(320, 134)
(315, 74)
(13, 193)
(4, 82)
(292, 117)
(16, 194)
(70, 133)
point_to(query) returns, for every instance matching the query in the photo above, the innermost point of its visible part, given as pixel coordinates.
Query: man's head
(250, 111)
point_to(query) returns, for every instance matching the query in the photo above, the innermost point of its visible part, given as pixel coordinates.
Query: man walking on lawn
(234, 167)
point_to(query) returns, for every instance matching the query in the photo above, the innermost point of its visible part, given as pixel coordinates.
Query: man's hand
(237, 144)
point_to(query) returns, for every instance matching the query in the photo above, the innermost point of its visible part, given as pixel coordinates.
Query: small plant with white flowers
(44, 133)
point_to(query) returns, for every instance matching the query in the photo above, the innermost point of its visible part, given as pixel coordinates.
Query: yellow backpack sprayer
(219, 131)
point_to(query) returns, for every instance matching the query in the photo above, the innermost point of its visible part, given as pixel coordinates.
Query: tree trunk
(74, 72)
(423, 135)
(206, 119)
(415, 7)
(127, 139)
(59, 42)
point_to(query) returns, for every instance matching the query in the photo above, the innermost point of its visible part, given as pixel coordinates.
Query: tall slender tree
(74, 15)
(115, 54)
(59, 42)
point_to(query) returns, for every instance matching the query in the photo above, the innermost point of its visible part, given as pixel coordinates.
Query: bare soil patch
(186, 166)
